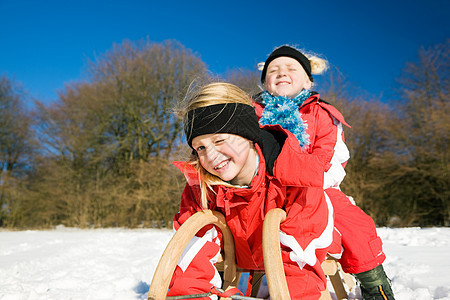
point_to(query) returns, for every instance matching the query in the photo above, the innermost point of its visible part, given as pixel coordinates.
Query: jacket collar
(315, 97)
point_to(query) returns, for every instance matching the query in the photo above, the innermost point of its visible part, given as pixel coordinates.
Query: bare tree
(106, 135)
(16, 145)
(247, 80)
(400, 157)
(424, 139)
(139, 85)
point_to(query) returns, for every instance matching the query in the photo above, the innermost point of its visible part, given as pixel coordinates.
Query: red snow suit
(362, 248)
(306, 236)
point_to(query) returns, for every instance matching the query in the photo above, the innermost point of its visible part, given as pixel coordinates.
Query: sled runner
(274, 271)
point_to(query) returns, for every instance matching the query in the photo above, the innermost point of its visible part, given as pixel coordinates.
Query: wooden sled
(274, 271)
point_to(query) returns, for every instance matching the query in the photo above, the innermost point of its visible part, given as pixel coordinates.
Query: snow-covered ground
(118, 264)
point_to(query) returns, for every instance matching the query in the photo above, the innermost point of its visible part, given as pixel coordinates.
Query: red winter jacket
(362, 248)
(306, 235)
(324, 126)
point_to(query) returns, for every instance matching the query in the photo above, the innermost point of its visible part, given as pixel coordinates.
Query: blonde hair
(210, 94)
(318, 64)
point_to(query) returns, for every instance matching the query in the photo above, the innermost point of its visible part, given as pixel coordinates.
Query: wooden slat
(276, 279)
(172, 253)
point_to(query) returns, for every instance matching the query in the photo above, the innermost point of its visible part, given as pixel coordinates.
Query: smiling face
(227, 156)
(286, 77)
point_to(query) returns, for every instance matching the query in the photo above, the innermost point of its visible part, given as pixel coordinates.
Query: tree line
(101, 155)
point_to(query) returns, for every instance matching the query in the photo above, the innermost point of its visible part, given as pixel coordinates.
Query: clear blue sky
(44, 44)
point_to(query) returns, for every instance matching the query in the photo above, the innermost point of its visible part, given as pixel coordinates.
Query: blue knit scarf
(284, 111)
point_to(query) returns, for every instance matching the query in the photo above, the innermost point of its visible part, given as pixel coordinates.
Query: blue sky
(45, 44)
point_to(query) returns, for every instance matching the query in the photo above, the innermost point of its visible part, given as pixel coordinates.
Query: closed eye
(220, 141)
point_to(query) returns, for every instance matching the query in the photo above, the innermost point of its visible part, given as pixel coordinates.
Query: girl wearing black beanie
(288, 100)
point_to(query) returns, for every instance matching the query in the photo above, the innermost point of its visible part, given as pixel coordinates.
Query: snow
(68, 263)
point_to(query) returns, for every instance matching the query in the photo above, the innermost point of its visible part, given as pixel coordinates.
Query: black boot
(375, 285)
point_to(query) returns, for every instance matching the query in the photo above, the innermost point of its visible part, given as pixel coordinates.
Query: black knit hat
(235, 118)
(289, 52)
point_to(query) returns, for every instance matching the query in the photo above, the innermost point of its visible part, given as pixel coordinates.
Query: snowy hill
(69, 263)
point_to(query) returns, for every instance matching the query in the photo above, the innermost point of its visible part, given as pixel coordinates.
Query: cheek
(241, 152)
(269, 85)
(303, 82)
(203, 162)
